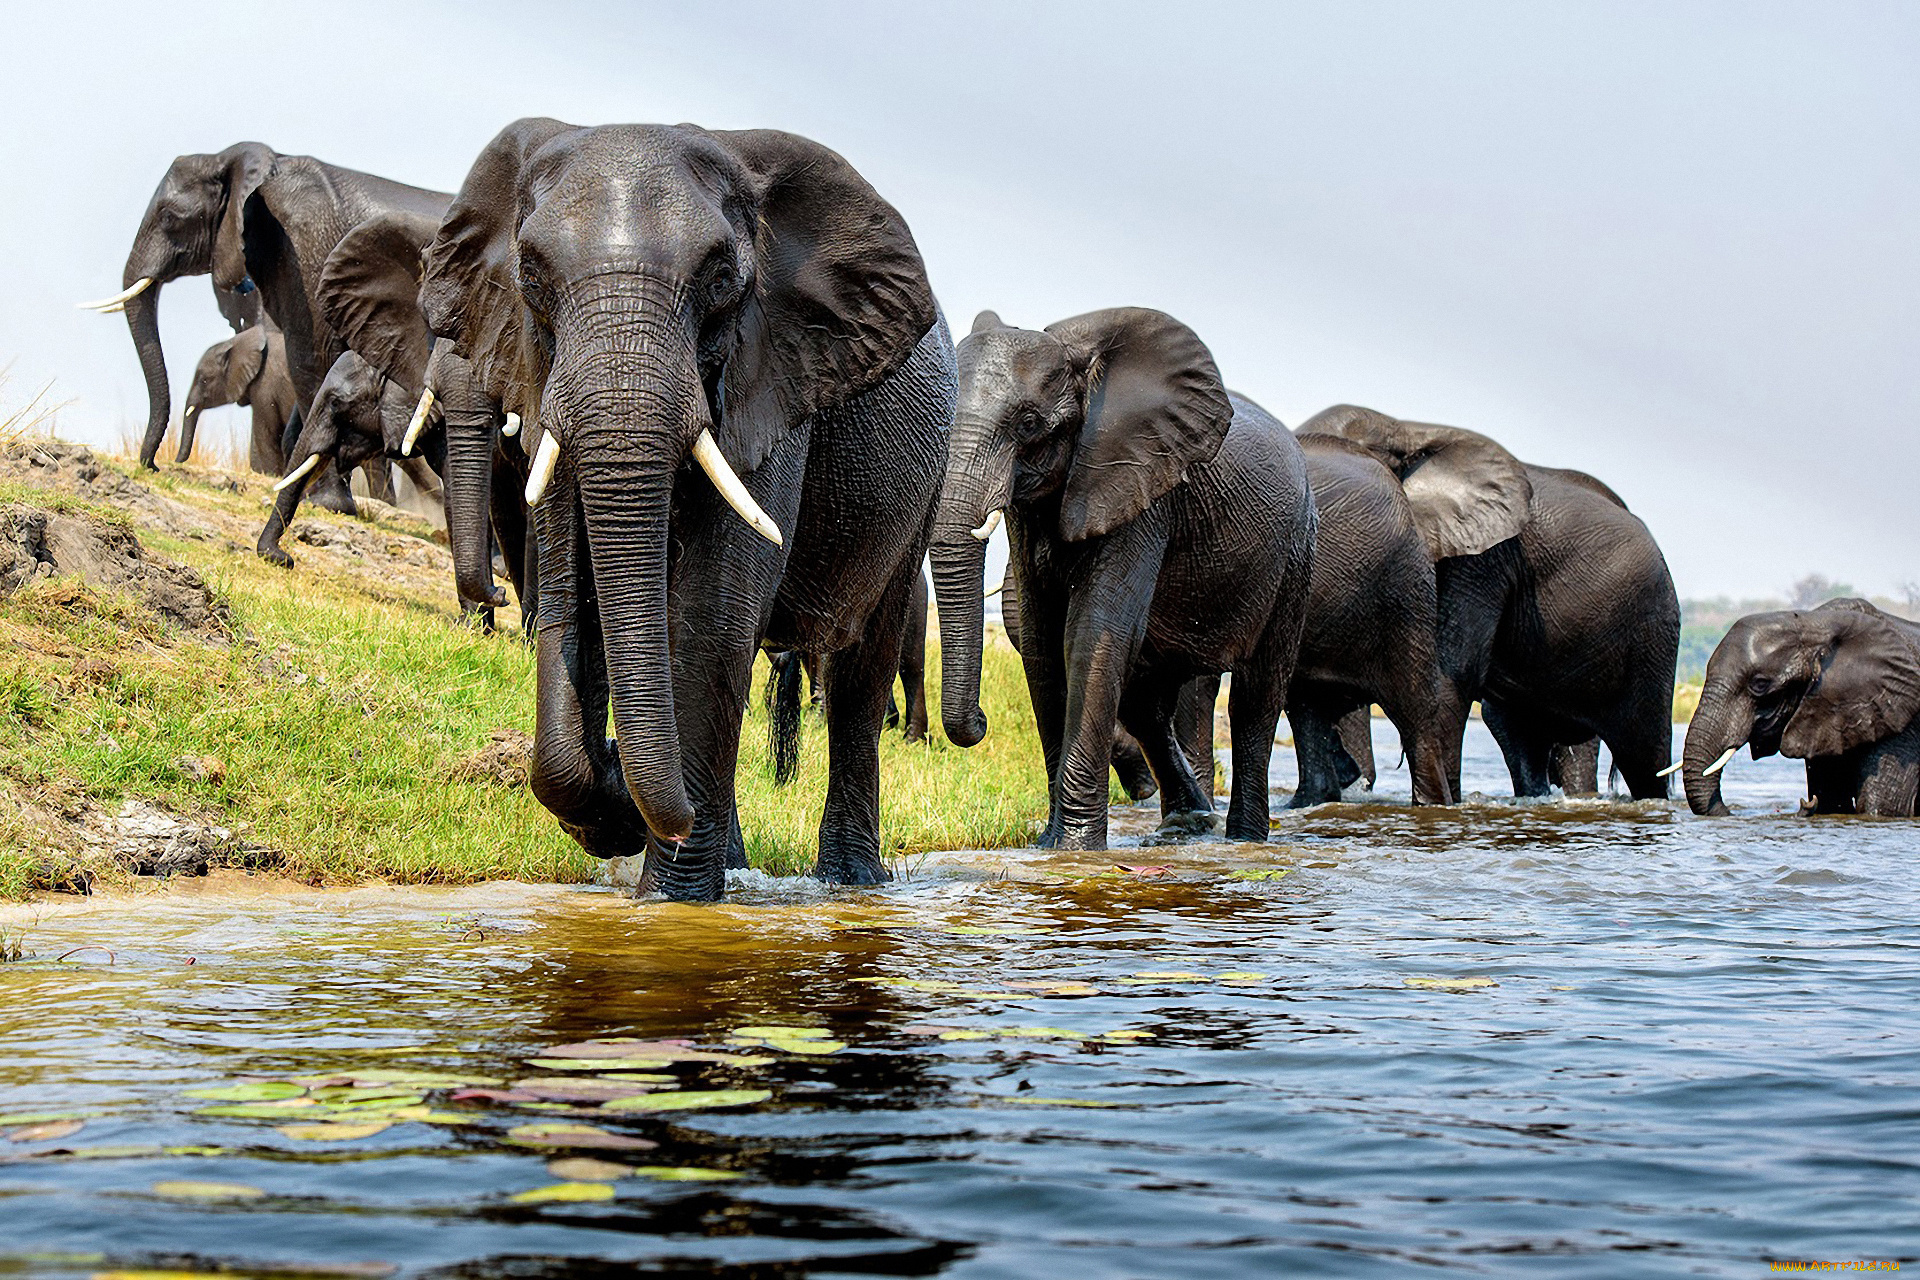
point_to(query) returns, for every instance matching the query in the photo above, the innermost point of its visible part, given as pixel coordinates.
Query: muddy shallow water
(1556, 1039)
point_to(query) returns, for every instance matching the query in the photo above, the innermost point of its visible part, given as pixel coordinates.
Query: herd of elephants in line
(695, 387)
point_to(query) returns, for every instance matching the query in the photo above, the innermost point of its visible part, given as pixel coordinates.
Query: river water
(1555, 1039)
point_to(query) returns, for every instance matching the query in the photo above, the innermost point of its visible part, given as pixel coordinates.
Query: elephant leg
(1099, 652)
(1575, 768)
(1889, 777)
(1355, 731)
(1130, 765)
(1254, 702)
(890, 719)
(331, 492)
(379, 479)
(1316, 747)
(1642, 743)
(1831, 782)
(528, 589)
(1042, 656)
(736, 844)
(1426, 758)
(1148, 710)
(1193, 728)
(1522, 743)
(285, 503)
(859, 683)
(264, 452)
(816, 669)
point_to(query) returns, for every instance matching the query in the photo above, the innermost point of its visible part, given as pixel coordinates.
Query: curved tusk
(511, 427)
(418, 424)
(1669, 771)
(1719, 764)
(988, 525)
(706, 451)
(293, 477)
(543, 465)
(113, 310)
(994, 590)
(118, 300)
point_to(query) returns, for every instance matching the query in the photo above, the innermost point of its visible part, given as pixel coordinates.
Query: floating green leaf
(1264, 873)
(281, 1110)
(41, 1117)
(1125, 1036)
(690, 1100)
(190, 1189)
(575, 1135)
(565, 1193)
(422, 1079)
(334, 1132)
(123, 1151)
(197, 1151)
(684, 1173)
(599, 1064)
(587, 1169)
(589, 1088)
(783, 1033)
(250, 1091)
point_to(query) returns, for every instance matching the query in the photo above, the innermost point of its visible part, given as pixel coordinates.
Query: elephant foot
(1249, 832)
(850, 855)
(684, 874)
(1187, 824)
(1307, 797)
(916, 733)
(1085, 840)
(275, 556)
(852, 872)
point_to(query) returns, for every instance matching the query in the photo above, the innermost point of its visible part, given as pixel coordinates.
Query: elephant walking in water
(1837, 686)
(1161, 530)
(742, 389)
(249, 369)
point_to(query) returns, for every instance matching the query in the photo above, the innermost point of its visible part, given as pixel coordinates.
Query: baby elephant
(1837, 686)
(250, 369)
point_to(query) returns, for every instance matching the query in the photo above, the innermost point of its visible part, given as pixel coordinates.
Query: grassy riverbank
(345, 725)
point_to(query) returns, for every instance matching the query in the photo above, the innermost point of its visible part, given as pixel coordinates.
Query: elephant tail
(783, 717)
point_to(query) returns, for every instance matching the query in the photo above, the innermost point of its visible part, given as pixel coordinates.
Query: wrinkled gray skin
(248, 369)
(1837, 686)
(257, 220)
(628, 287)
(1371, 632)
(1129, 762)
(1160, 532)
(1555, 607)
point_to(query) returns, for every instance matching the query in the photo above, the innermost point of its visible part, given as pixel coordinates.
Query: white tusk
(293, 477)
(706, 451)
(1719, 764)
(1669, 771)
(419, 423)
(543, 464)
(118, 300)
(994, 590)
(512, 426)
(113, 310)
(988, 525)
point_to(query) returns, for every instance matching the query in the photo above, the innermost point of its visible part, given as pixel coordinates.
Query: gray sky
(1676, 245)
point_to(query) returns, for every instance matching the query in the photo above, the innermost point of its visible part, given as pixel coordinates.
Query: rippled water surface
(1556, 1039)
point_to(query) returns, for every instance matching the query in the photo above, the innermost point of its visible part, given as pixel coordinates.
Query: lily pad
(587, 1169)
(1263, 873)
(281, 1110)
(1058, 988)
(1450, 984)
(1170, 975)
(374, 1100)
(422, 1079)
(121, 1151)
(784, 1033)
(590, 1089)
(427, 1115)
(690, 1100)
(599, 1064)
(40, 1117)
(565, 1193)
(966, 1033)
(492, 1095)
(334, 1132)
(250, 1091)
(575, 1135)
(46, 1131)
(191, 1189)
(1126, 1036)
(1240, 975)
(684, 1173)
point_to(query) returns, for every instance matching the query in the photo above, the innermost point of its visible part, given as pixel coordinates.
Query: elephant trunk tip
(967, 729)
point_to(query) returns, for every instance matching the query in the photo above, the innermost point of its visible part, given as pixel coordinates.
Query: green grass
(339, 713)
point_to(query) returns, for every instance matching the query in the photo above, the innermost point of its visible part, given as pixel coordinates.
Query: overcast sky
(1676, 245)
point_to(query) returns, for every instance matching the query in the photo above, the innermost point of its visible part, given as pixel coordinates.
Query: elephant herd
(695, 388)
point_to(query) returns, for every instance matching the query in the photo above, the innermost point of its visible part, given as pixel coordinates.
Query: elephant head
(1081, 427)
(1467, 492)
(226, 375)
(1804, 684)
(192, 226)
(639, 295)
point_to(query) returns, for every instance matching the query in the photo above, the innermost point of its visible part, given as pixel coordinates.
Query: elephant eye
(721, 281)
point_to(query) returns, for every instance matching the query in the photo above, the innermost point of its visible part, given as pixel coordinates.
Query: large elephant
(1161, 531)
(255, 219)
(1556, 609)
(248, 369)
(1837, 686)
(649, 296)
(369, 293)
(1372, 628)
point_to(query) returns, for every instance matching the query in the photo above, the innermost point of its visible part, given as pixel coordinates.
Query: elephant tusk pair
(988, 525)
(118, 302)
(418, 423)
(706, 451)
(298, 473)
(1719, 764)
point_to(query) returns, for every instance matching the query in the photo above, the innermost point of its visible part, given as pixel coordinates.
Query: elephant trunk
(468, 482)
(143, 318)
(1722, 722)
(189, 427)
(979, 477)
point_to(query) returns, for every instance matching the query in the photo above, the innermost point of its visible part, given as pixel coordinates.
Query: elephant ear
(246, 357)
(840, 296)
(246, 165)
(369, 293)
(1155, 405)
(1467, 492)
(1868, 687)
(471, 293)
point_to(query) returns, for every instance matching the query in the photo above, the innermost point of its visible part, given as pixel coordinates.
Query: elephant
(369, 294)
(645, 296)
(1837, 686)
(255, 219)
(1371, 633)
(248, 369)
(1556, 610)
(1160, 531)
(1129, 762)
